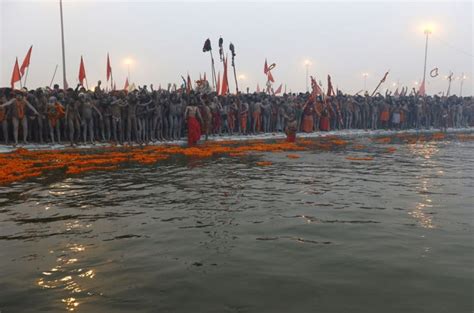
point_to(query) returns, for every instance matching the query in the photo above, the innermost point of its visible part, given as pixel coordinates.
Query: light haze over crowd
(165, 39)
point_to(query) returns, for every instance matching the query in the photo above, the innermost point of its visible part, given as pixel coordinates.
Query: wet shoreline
(352, 133)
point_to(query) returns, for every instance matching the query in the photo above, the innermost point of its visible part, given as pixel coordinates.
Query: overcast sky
(165, 39)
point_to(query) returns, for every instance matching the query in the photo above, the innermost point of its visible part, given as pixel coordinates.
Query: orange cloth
(194, 131)
(55, 114)
(243, 121)
(256, 117)
(402, 116)
(20, 108)
(231, 120)
(2, 114)
(308, 123)
(384, 116)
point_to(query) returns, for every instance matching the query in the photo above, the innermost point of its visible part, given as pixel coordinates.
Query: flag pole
(232, 50)
(62, 43)
(54, 75)
(213, 71)
(380, 83)
(26, 76)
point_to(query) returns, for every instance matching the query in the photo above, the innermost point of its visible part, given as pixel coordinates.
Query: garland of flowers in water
(23, 164)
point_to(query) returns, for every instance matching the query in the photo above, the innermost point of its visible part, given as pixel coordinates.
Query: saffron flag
(225, 82)
(278, 89)
(316, 89)
(16, 76)
(26, 61)
(126, 85)
(82, 72)
(218, 87)
(270, 77)
(422, 91)
(109, 68)
(265, 67)
(258, 88)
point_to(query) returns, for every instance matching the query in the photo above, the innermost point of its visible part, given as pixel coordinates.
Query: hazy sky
(341, 38)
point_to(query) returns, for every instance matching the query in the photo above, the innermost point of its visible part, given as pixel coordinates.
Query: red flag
(218, 87)
(109, 68)
(330, 88)
(258, 88)
(126, 84)
(278, 89)
(265, 67)
(225, 82)
(82, 72)
(26, 61)
(16, 76)
(422, 91)
(270, 77)
(189, 85)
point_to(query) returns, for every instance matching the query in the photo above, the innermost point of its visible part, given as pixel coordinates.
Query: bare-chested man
(17, 111)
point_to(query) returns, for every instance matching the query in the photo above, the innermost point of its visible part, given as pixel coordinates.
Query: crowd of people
(145, 115)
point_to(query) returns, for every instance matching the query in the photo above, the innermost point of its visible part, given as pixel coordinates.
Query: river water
(320, 233)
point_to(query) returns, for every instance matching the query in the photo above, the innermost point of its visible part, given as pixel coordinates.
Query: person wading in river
(191, 115)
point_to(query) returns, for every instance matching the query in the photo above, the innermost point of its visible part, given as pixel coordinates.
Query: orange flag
(16, 76)
(218, 87)
(126, 84)
(109, 68)
(225, 82)
(82, 72)
(278, 89)
(422, 90)
(26, 61)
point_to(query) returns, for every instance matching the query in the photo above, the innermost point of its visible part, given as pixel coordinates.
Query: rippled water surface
(316, 234)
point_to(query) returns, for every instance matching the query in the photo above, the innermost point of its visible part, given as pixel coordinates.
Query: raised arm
(8, 103)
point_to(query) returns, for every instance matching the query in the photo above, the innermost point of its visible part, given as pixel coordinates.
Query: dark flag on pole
(16, 76)
(109, 68)
(82, 72)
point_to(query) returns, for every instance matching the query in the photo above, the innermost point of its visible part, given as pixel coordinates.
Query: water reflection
(68, 275)
(429, 167)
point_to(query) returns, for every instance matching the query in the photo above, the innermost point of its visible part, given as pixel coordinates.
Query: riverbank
(350, 133)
